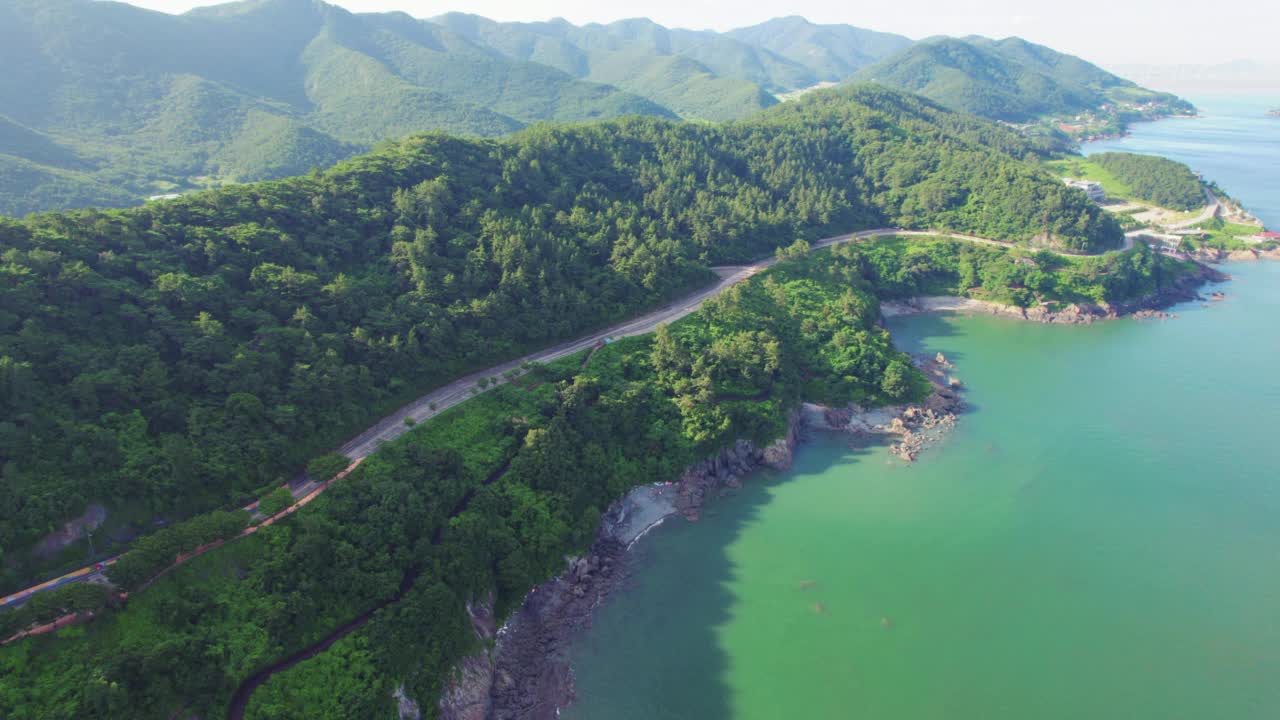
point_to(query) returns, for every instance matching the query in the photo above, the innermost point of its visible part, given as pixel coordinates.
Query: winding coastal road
(447, 396)
(1210, 211)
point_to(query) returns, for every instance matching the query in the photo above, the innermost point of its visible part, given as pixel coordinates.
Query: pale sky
(1106, 33)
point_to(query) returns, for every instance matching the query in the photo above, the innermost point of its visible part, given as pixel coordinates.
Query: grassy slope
(1227, 236)
(1081, 168)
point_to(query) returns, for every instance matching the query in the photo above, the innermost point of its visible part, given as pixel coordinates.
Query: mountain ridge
(151, 102)
(116, 103)
(1017, 81)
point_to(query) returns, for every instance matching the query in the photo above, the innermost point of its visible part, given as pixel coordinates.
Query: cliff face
(727, 468)
(526, 673)
(466, 694)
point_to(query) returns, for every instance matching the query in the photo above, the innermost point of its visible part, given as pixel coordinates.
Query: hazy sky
(1107, 32)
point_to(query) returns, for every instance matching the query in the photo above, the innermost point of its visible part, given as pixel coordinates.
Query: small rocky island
(1274, 113)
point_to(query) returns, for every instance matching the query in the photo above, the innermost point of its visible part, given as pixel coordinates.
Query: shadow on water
(911, 332)
(654, 651)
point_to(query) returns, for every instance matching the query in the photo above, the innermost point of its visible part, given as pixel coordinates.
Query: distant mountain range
(103, 103)
(696, 74)
(1010, 79)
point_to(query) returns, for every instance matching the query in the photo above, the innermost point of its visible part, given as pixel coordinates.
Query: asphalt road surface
(443, 398)
(447, 396)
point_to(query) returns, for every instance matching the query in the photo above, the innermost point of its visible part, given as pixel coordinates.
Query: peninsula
(494, 486)
(1169, 207)
(345, 356)
(178, 361)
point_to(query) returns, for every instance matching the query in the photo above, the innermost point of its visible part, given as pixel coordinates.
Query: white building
(1092, 189)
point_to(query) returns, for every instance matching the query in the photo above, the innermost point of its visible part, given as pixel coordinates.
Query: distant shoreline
(1125, 132)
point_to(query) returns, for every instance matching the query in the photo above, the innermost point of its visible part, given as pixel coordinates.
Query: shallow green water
(1098, 539)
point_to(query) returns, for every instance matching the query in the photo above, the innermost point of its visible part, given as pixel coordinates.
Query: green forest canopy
(1158, 180)
(181, 356)
(490, 496)
(1010, 79)
(108, 104)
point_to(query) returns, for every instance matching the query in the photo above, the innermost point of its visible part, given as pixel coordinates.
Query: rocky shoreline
(1216, 256)
(524, 670)
(1151, 306)
(909, 429)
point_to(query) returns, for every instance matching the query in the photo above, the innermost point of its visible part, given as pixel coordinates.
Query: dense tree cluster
(1017, 81)
(157, 551)
(48, 606)
(902, 269)
(486, 499)
(483, 500)
(187, 354)
(1158, 180)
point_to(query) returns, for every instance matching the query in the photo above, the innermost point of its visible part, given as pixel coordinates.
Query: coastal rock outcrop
(1217, 255)
(525, 671)
(700, 481)
(526, 674)
(910, 428)
(1068, 314)
(467, 693)
(1185, 289)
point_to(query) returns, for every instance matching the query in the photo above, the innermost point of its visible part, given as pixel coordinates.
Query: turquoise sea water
(1098, 539)
(1234, 144)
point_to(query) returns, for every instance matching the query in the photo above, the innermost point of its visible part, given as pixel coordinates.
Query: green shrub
(325, 467)
(275, 501)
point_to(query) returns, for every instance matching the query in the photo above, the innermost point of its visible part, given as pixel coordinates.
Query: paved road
(443, 398)
(1210, 211)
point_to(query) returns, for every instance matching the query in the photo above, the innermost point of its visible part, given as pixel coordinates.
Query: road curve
(1210, 211)
(442, 398)
(447, 396)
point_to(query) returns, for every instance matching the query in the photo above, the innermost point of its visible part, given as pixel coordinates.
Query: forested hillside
(1010, 79)
(1165, 182)
(832, 52)
(133, 103)
(107, 104)
(179, 356)
(485, 501)
(486, 498)
(698, 73)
